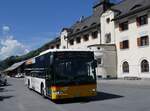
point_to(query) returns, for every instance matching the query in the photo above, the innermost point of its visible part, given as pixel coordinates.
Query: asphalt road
(112, 96)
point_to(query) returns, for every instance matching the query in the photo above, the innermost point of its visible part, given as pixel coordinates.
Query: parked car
(3, 79)
(19, 75)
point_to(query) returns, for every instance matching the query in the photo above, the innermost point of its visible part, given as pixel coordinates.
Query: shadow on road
(101, 96)
(2, 89)
(5, 97)
(5, 85)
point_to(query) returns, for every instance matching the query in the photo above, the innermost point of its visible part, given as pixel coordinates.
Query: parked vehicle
(19, 75)
(3, 79)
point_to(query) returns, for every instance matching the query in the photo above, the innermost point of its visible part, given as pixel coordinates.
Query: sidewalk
(143, 82)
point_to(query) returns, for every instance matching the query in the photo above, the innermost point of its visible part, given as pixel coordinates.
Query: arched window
(125, 67)
(144, 66)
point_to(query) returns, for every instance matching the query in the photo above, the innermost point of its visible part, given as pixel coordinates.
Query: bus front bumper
(73, 91)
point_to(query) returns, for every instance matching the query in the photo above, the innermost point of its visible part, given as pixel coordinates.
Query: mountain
(13, 59)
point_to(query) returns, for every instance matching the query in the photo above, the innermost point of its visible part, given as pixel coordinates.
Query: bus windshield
(74, 70)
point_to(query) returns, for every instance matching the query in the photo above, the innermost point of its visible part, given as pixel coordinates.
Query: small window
(99, 61)
(123, 26)
(143, 41)
(52, 47)
(142, 20)
(71, 42)
(108, 38)
(124, 44)
(125, 67)
(95, 34)
(108, 20)
(86, 37)
(78, 40)
(144, 66)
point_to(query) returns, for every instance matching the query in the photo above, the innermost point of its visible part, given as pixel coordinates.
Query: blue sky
(34, 22)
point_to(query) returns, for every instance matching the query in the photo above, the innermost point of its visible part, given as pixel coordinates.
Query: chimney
(106, 4)
(102, 5)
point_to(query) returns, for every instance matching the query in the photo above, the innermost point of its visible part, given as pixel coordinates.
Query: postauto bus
(62, 73)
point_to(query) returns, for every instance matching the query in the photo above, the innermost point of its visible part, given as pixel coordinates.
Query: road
(112, 96)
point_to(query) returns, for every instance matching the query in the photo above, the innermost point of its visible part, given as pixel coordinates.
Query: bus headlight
(58, 92)
(93, 90)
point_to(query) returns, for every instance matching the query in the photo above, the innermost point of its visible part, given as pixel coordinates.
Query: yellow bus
(63, 73)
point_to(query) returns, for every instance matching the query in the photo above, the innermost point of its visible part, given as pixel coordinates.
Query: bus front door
(48, 85)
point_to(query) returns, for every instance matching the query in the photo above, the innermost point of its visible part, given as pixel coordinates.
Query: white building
(130, 29)
(86, 33)
(119, 35)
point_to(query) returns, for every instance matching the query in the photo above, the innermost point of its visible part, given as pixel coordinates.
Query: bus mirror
(94, 63)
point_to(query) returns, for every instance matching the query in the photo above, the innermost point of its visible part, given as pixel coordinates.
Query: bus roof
(65, 50)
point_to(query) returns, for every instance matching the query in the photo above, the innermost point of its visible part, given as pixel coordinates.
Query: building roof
(88, 22)
(14, 66)
(85, 23)
(130, 7)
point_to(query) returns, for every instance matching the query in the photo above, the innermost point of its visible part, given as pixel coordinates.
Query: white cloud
(10, 46)
(5, 29)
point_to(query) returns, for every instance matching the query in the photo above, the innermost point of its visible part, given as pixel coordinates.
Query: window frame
(143, 41)
(142, 20)
(125, 67)
(123, 44)
(124, 26)
(86, 37)
(78, 40)
(143, 68)
(108, 38)
(95, 35)
(71, 42)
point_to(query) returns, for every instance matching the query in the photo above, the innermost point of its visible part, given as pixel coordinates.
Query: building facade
(131, 20)
(86, 34)
(119, 36)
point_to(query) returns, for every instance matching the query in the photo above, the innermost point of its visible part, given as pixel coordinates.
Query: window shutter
(139, 41)
(128, 43)
(138, 21)
(121, 45)
(147, 40)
